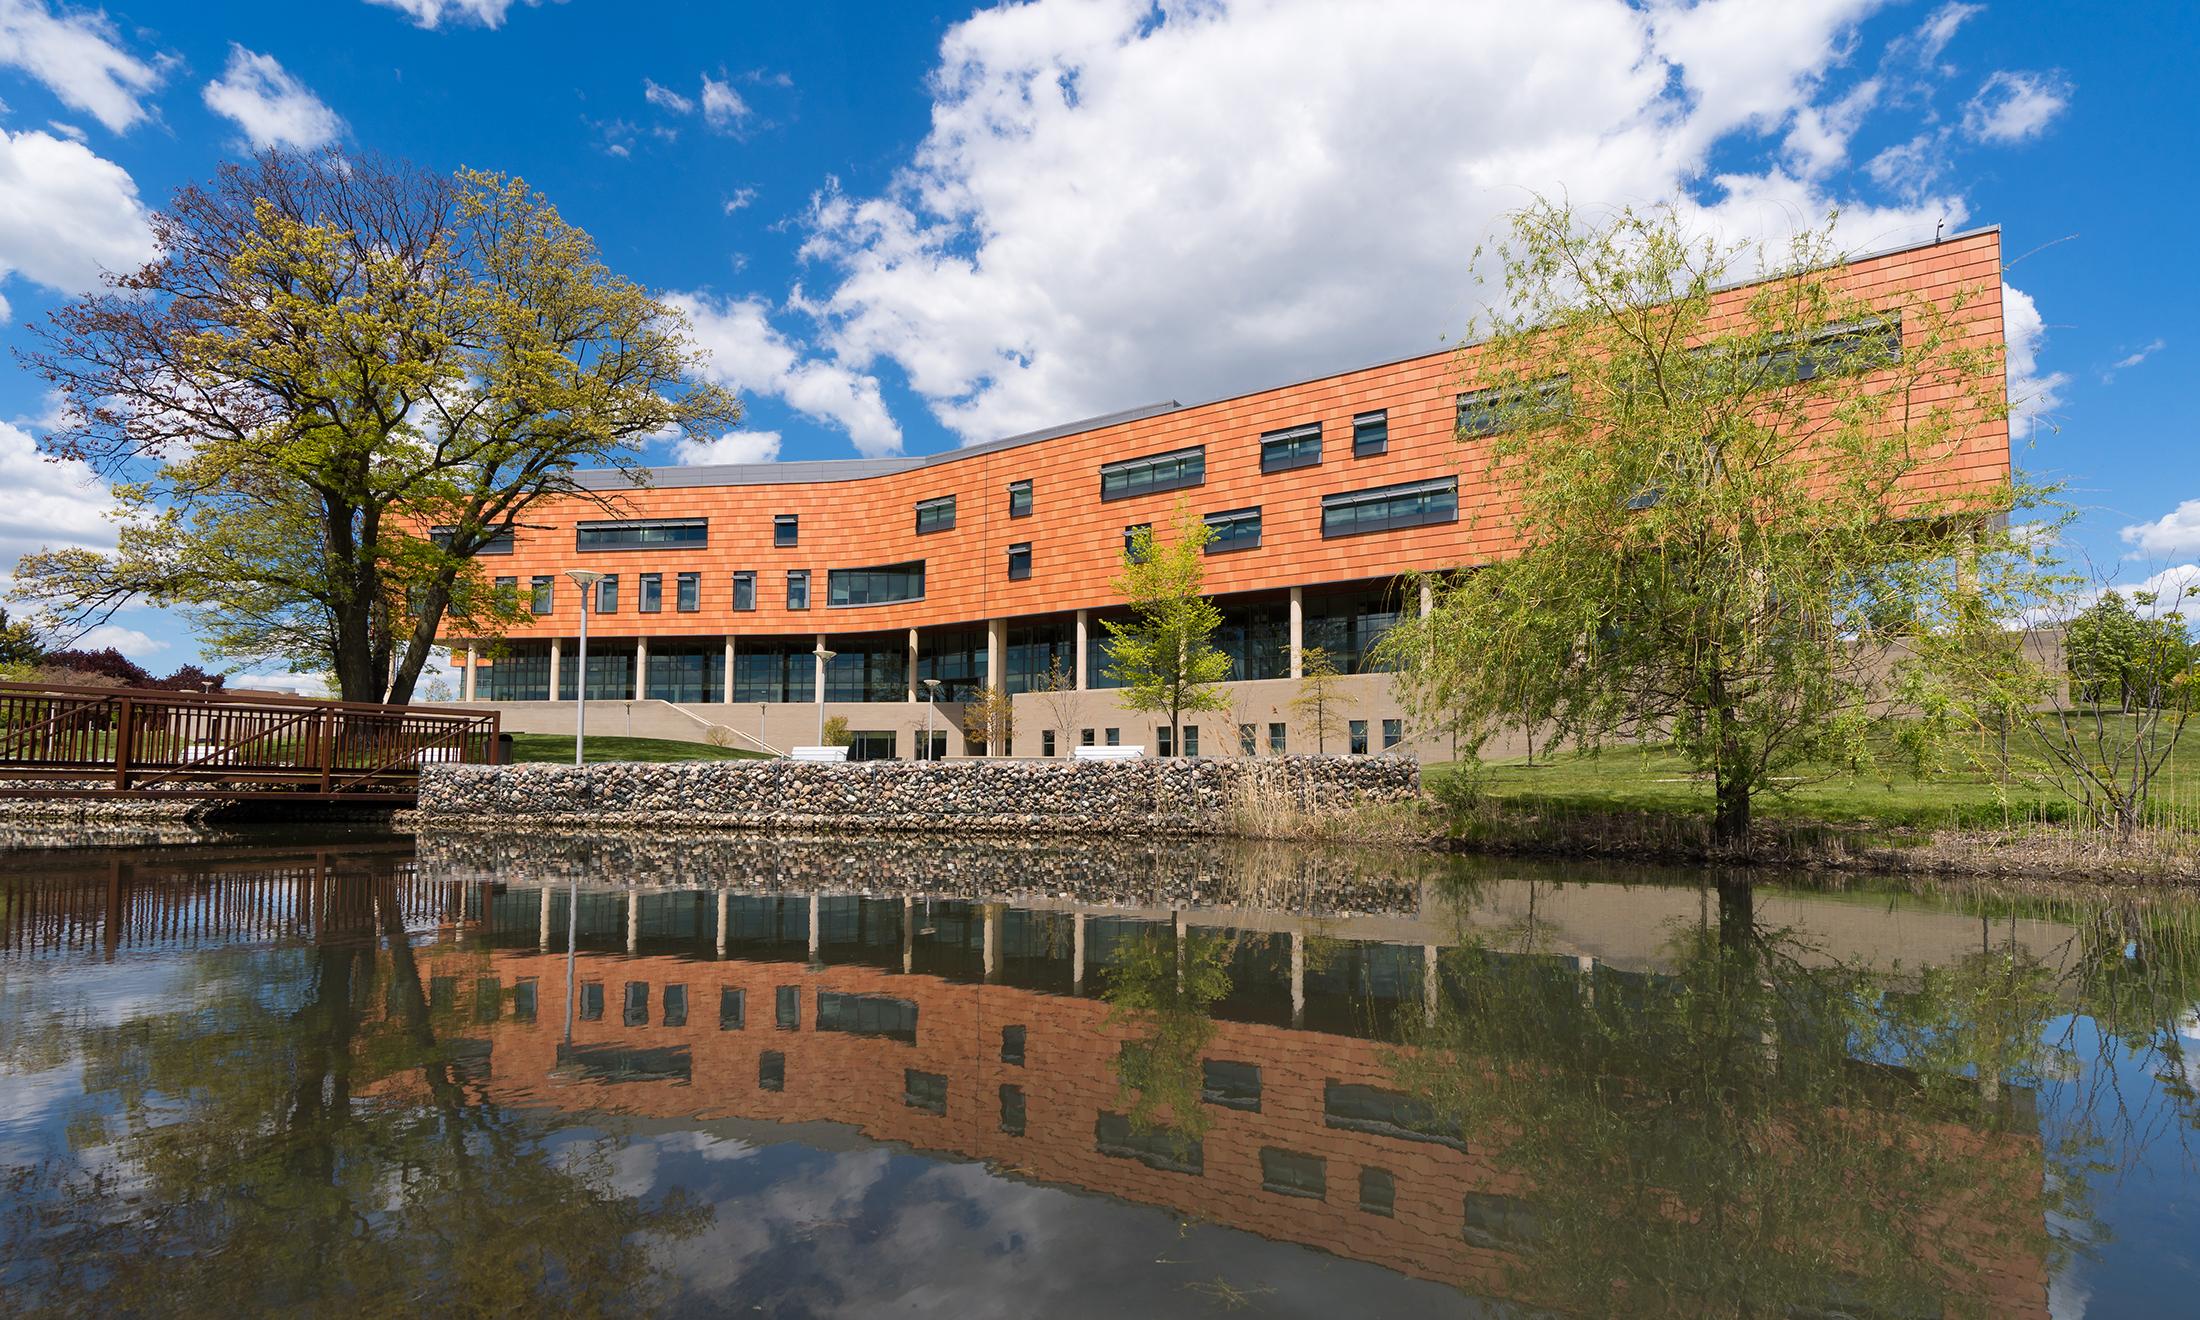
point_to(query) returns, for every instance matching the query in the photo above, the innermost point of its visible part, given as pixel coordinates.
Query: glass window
(684, 671)
(1388, 508)
(1163, 742)
(798, 588)
(1370, 433)
(786, 529)
(1235, 529)
(641, 534)
(508, 584)
(690, 598)
(675, 1006)
(1230, 1085)
(1012, 1109)
(1488, 412)
(607, 594)
(1378, 1191)
(1248, 739)
(1157, 1148)
(771, 1071)
(1046, 742)
(1291, 1173)
(774, 669)
(882, 585)
(867, 1015)
(650, 595)
(523, 999)
(923, 1090)
(1084, 737)
(1394, 732)
(936, 515)
(1145, 476)
(637, 1004)
(499, 542)
(1300, 446)
(787, 1008)
(1114, 737)
(1012, 1045)
(591, 1001)
(744, 591)
(1130, 540)
(1191, 740)
(1276, 734)
(543, 595)
(1019, 499)
(1019, 561)
(1358, 730)
(732, 1012)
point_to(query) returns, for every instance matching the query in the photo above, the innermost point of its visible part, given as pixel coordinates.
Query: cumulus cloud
(748, 354)
(66, 214)
(129, 641)
(78, 57)
(2033, 394)
(433, 13)
(1117, 203)
(2174, 533)
(723, 107)
(269, 104)
(732, 447)
(302, 685)
(2012, 106)
(50, 505)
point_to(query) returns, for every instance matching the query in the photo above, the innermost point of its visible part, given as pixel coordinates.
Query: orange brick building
(992, 564)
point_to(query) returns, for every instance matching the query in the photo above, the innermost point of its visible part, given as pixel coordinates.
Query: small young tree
(836, 732)
(1165, 655)
(1321, 699)
(989, 717)
(1061, 703)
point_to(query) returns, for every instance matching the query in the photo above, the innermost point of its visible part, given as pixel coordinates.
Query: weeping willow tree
(1724, 510)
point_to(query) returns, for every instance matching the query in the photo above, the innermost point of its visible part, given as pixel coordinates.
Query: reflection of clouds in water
(30, 1102)
(630, 1167)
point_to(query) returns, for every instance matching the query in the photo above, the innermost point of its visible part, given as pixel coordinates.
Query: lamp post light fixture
(586, 580)
(931, 700)
(824, 658)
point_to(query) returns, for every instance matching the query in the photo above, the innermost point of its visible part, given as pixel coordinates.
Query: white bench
(818, 754)
(1082, 753)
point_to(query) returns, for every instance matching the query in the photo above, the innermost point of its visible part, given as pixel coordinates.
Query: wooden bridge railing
(100, 741)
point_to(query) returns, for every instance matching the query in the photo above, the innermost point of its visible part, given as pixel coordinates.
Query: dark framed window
(787, 1007)
(798, 588)
(1191, 740)
(607, 594)
(1248, 739)
(1019, 499)
(1084, 737)
(1012, 1109)
(1292, 1173)
(1378, 1191)
(1852, 346)
(732, 1009)
(923, 1090)
(1358, 732)
(1235, 529)
(771, 1071)
(1160, 1148)
(591, 1001)
(1019, 561)
(1175, 470)
(675, 1001)
(689, 589)
(650, 593)
(1394, 732)
(499, 542)
(1276, 734)
(936, 515)
(1294, 447)
(786, 529)
(1230, 1084)
(1130, 540)
(542, 595)
(867, 1015)
(637, 1004)
(1492, 411)
(1389, 508)
(1371, 433)
(744, 590)
(642, 534)
(1164, 743)
(1046, 742)
(523, 999)
(1113, 737)
(508, 584)
(883, 585)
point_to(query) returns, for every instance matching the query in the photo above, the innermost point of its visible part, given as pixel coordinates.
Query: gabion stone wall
(1194, 796)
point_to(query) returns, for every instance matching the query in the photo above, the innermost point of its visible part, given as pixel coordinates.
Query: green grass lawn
(529, 748)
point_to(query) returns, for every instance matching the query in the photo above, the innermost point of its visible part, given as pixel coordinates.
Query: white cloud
(741, 197)
(2134, 359)
(1118, 202)
(748, 354)
(66, 214)
(129, 641)
(723, 107)
(732, 447)
(2174, 533)
(304, 685)
(2012, 106)
(50, 504)
(432, 13)
(2032, 394)
(269, 103)
(659, 95)
(1930, 40)
(78, 58)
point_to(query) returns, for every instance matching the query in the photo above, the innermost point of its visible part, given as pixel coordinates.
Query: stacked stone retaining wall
(1189, 797)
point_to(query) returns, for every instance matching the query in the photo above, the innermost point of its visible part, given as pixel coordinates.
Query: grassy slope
(558, 747)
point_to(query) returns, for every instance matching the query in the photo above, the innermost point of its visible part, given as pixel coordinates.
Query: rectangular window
(923, 1090)
(499, 542)
(1378, 1191)
(1501, 1223)
(1371, 433)
(1394, 732)
(798, 588)
(1487, 412)
(1234, 529)
(1388, 508)
(542, 594)
(1358, 729)
(771, 1071)
(1191, 740)
(508, 585)
(1130, 541)
(488, 999)
(1084, 737)
(1175, 470)
(1114, 737)
(1298, 447)
(1163, 742)
(867, 1015)
(1230, 1085)
(1276, 733)
(1012, 1045)
(675, 1002)
(1012, 1109)
(732, 1011)
(744, 591)
(1046, 742)
(1290, 1173)
(690, 588)
(607, 594)
(1853, 346)
(1157, 1148)
(523, 1000)
(787, 1008)
(882, 585)
(1019, 499)
(1019, 561)
(649, 596)
(1386, 1113)
(786, 529)
(591, 1001)
(642, 534)
(637, 1004)
(936, 515)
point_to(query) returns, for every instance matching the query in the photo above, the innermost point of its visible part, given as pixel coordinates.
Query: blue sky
(899, 230)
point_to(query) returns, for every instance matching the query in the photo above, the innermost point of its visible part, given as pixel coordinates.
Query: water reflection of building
(981, 1029)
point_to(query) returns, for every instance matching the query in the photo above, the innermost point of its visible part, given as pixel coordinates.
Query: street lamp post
(824, 658)
(931, 701)
(586, 580)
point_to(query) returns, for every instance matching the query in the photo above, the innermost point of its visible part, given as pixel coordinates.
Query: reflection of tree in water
(302, 1132)
(1163, 988)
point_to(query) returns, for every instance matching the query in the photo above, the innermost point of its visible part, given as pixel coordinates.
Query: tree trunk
(1730, 823)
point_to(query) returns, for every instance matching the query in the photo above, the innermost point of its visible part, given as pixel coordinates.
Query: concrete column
(908, 934)
(1084, 649)
(542, 937)
(992, 941)
(473, 667)
(816, 929)
(819, 665)
(556, 649)
(1077, 955)
(727, 694)
(1176, 935)
(996, 652)
(1298, 629)
(633, 921)
(911, 669)
(1428, 984)
(721, 923)
(641, 668)
(1428, 600)
(1298, 978)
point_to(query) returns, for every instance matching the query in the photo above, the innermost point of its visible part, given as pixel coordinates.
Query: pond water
(519, 1075)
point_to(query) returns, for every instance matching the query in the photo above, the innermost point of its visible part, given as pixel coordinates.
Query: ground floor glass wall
(774, 669)
(686, 672)
(868, 668)
(610, 672)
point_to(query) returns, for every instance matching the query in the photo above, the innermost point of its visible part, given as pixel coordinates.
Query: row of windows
(846, 586)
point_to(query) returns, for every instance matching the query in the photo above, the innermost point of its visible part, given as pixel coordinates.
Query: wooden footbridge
(63, 741)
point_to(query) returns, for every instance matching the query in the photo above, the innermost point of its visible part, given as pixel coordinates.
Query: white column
(633, 921)
(557, 648)
(992, 941)
(473, 667)
(818, 663)
(908, 934)
(641, 668)
(816, 928)
(542, 938)
(911, 670)
(996, 652)
(1428, 600)
(1428, 984)
(727, 694)
(1084, 649)
(1298, 628)
(1298, 978)
(721, 923)
(1077, 955)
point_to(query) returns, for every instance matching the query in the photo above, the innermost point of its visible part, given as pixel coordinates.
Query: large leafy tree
(1723, 511)
(340, 379)
(1165, 655)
